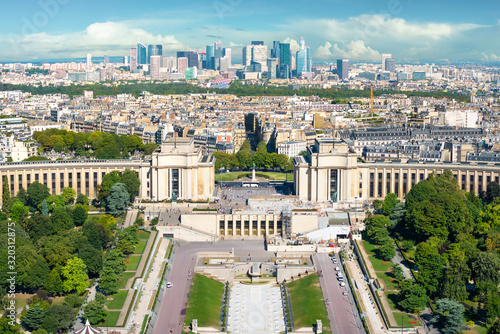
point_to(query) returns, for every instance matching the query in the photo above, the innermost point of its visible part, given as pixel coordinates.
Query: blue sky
(412, 30)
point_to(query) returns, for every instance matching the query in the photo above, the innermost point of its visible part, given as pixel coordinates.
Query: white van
(342, 284)
(337, 268)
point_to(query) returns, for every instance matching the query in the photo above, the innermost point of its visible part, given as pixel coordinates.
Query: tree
(18, 211)
(22, 196)
(5, 195)
(61, 220)
(377, 204)
(389, 203)
(412, 297)
(92, 258)
(387, 251)
(96, 234)
(449, 315)
(125, 246)
(75, 276)
(32, 268)
(95, 312)
(456, 274)
(82, 199)
(6, 328)
(53, 285)
(118, 199)
(495, 328)
(109, 280)
(492, 191)
(33, 318)
(37, 192)
(132, 183)
(397, 272)
(397, 214)
(79, 215)
(68, 195)
(486, 268)
(430, 266)
(45, 210)
(58, 318)
(73, 300)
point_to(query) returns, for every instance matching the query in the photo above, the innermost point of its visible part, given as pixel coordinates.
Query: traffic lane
(174, 302)
(339, 308)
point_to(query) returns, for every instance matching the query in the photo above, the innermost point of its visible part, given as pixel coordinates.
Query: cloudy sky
(412, 30)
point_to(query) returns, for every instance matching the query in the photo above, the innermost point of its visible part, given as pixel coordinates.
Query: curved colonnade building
(330, 172)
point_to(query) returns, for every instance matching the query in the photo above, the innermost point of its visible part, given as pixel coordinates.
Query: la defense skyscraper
(303, 58)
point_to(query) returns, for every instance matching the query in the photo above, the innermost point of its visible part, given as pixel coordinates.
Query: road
(340, 308)
(171, 307)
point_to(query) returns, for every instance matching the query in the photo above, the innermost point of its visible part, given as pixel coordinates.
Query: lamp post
(153, 206)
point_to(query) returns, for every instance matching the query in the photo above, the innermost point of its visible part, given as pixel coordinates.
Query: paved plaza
(255, 309)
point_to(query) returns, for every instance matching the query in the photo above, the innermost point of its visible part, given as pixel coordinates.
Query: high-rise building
(154, 50)
(303, 58)
(210, 57)
(271, 68)
(191, 73)
(182, 64)
(141, 54)
(125, 60)
(133, 59)
(154, 69)
(275, 52)
(390, 65)
(285, 57)
(257, 43)
(259, 54)
(343, 69)
(192, 57)
(384, 57)
(169, 62)
(106, 59)
(89, 60)
(246, 55)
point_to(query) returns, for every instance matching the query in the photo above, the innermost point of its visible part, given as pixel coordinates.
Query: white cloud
(323, 52)
(491, 57)
(354, 50)
(107, 37)
(294, 45)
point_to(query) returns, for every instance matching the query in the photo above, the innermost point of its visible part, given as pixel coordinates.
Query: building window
(388, 183)
(53, 183)
(12, 184)
(87, 185)
(175, 181)
(78, 183)
(471, 187)
(421, 176)
(95, 181)
(36, 178)
(61, 180)
(333, 185)
(28, 180)
(371, 185)
(70, 180)
(45, 178)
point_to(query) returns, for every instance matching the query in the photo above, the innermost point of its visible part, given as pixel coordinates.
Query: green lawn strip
(139, 248)
(370, 248)
(391, 299)
(379, 265)
(133, 262)
(112, 319)
(143, 235)
(118, 300)
(389, 281)
(205, 302)
(476, 330)
(404, 319)
(125, 277)
(307, 302)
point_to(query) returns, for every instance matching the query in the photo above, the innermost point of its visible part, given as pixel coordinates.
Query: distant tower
(154, 50)
(303, 58)
(89, 60)
(133, 59)
(141, 54)
(155, 67)
(384, 57)
(390, 65)
(182, 64)
(285, 58)
(106, 59)
(343, 69)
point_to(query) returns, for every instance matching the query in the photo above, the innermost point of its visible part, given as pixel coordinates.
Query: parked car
(169, 284)
(345, 293)
(342, 284)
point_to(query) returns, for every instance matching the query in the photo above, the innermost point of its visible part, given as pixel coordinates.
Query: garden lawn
(139, 248)
(379, 265)
(205, 302)
(125, 277)
(118, 300)
(390, 282)
(133, 262)
(404, 319)
(370, 248)
(476, 330)
(391, 299)
(143, 235)
(112, 318)
(307, 303)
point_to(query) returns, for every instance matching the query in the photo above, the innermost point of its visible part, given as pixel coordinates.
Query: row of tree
(92, 144)
(455, 239)
(244, 158)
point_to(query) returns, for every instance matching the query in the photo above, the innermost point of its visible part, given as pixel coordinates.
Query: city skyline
(412, 32)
